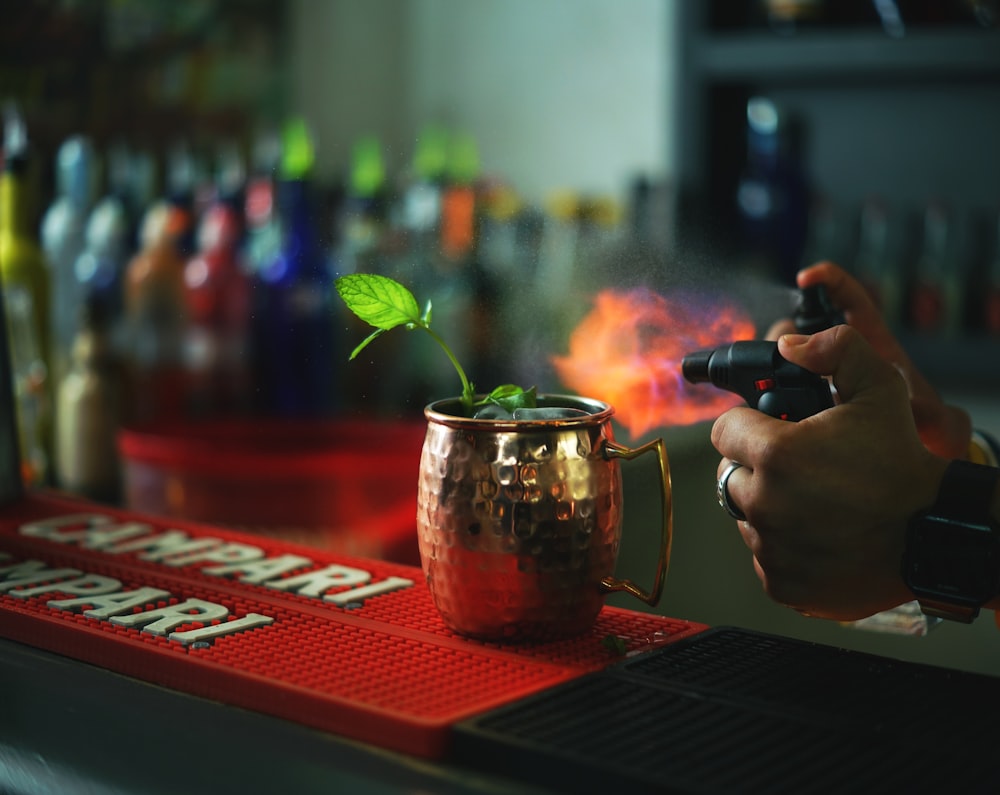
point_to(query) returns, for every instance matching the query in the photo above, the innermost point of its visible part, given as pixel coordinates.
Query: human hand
(944, 429)
(827, 499)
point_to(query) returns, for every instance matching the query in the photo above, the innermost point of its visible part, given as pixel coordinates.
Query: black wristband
(952, 557)
(966, 491)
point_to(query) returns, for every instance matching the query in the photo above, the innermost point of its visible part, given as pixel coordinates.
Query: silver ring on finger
(722, 492)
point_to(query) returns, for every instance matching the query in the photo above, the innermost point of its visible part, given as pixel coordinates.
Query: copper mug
(519, 521)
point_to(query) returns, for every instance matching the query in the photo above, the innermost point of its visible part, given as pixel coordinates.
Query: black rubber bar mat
(732, 710)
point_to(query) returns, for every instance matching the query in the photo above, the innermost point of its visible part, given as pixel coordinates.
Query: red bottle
(217, 295)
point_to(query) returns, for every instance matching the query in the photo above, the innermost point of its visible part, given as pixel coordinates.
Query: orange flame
(627, 351)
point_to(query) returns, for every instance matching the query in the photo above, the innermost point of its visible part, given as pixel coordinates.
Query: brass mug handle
(613, 585)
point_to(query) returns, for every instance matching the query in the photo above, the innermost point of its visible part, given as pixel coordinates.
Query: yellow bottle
(25, 282)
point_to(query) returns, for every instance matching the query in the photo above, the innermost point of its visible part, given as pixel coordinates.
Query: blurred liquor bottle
(217, 289)
(184, 182)
(227, 184)
(63, 234)
(825, 238)
(458, 198)
(545, 313)
(452, 277)
(88, 409)
(99, 270)
(502, 239)
(31, 386)
(875, 264)
(392, 231)
(363, 210)
(476, 295)
(155, 318)
(558, 248)
(292, 331)
(772, 196)
(12, 469)
(421, 199)
(26, 287)
(936, 292)
(652, 214)
(218, 306)
(599, 219)
(132, 181)
(262, 229)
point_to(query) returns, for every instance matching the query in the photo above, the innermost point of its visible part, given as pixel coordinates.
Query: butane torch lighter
(755, 371)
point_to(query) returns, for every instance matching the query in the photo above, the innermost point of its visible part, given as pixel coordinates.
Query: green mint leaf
(386, 304)
(378, 300)
(511, 397)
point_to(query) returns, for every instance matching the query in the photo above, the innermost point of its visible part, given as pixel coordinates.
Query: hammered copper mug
(519, 521)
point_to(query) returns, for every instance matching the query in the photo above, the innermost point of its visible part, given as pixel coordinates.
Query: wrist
(951, 559)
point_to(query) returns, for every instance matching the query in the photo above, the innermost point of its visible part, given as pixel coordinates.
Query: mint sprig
(386, 304)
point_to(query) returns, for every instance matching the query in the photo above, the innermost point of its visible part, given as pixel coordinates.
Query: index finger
(846, 292)
(854, 300)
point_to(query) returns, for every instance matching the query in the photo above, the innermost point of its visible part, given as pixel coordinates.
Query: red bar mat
(346, 645)
(733, 710)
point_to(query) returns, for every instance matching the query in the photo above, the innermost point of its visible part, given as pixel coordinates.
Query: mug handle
(613, 585)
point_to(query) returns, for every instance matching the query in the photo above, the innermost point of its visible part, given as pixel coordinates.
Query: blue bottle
(773, 193)
(99, 269)
(294, 356)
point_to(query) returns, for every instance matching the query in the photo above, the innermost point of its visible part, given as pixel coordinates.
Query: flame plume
(627, 351)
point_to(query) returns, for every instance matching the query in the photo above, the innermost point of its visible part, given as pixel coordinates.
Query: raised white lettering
(226, 553)
(365, 591)
(113, 604)
(315, 583)
(161, 620)
(249, 621)
(29, 572)
(87, 584)
(259, 571)
(108, 535)
(65, 529)
(163, 545)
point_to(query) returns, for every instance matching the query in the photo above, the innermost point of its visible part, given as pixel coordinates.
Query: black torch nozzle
(814, 311)
(754, 370)
(694, 366)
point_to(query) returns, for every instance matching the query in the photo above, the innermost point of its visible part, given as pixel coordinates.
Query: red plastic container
(344, 486)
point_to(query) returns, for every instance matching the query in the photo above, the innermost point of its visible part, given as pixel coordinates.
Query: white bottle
(88, 405)
(63, 231)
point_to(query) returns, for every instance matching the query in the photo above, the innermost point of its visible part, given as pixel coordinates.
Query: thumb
(842, 353)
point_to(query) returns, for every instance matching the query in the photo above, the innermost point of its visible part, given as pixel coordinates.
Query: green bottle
(25, 280)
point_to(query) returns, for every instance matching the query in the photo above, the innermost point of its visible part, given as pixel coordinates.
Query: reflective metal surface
(519, 521)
